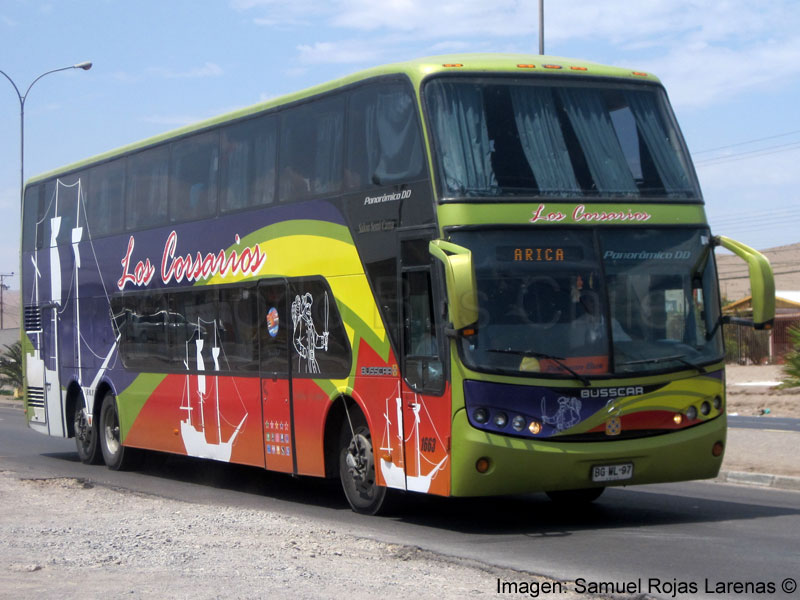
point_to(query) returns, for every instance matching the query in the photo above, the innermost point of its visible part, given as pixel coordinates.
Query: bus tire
(573, 497)
(357, 467)
(116, 456)
(86, 437)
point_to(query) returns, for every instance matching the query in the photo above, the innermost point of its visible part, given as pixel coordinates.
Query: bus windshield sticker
(273, 322)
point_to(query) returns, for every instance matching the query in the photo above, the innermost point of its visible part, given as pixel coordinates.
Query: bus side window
(383, 139)
(247, 171)
(193, 177)
(146, 188)
(311, 150)
(104, 198)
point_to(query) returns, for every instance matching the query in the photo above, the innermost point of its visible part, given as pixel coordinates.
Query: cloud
(209, 69)
(703, 51)
(338, 52)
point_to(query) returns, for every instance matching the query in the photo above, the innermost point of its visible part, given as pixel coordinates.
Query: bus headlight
(691, 413)
(481, 415)
(705, 408)
(518, 423)
(501, 419)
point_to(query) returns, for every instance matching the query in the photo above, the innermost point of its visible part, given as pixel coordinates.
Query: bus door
(426, 412)
(276, 384)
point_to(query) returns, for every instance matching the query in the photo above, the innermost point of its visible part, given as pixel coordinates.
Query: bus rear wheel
(116, 456)
(357, 467)
(86, 436)
(582, 496)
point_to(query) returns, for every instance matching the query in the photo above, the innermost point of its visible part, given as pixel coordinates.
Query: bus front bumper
(518, 465)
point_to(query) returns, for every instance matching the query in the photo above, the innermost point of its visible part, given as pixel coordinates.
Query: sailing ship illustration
(395, 476)
(201, 439)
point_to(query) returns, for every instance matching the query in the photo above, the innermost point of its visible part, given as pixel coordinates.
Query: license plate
(612, 472)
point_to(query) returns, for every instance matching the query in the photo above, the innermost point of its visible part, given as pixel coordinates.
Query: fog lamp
(482, 465)
(481, 416)
(717, 449)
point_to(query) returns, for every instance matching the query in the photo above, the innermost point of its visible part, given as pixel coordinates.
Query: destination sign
(542, 254)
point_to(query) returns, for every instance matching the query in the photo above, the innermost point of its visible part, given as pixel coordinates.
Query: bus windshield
(593, 302)
(500, 137)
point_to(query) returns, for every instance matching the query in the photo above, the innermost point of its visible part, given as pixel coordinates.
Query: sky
(731, 69)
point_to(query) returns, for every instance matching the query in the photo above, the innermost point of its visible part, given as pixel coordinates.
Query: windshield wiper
(681, 358)
(556, 359)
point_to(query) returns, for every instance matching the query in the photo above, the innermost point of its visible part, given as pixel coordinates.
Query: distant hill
(733, 278)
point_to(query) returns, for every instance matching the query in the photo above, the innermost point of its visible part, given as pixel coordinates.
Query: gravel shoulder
(751, 392)
(70, 538)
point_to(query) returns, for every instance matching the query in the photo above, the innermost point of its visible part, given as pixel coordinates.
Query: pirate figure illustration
(305, 339)
(568, 414)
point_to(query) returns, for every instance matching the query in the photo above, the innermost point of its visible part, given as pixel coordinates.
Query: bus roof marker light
(639, 73)
(526, 66)
(452, 65)
(578, 69)
(553, 67)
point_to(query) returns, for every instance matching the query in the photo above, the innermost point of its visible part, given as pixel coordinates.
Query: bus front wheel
(357, 467)
(116, 456)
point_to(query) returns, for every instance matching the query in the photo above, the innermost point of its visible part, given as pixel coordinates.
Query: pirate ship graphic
(203, 438)
(394, 475)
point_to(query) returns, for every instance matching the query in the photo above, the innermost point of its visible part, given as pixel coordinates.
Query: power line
(763, 139)
(790, 147)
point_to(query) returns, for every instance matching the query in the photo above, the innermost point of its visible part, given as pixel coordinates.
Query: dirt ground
(69, 538)
(753, 391)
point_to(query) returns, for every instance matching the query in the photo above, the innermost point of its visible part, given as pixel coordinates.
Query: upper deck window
(496, 137)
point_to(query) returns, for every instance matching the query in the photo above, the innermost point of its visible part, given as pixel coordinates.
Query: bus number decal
(428, 445)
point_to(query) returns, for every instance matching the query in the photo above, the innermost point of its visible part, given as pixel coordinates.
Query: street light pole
(22, 97)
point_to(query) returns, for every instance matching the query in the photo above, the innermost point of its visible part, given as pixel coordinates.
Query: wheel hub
(359, 459)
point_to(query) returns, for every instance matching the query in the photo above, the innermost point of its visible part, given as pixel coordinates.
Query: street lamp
(22, 97)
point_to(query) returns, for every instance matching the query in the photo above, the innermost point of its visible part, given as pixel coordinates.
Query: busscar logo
(379, 371)
(613, 392)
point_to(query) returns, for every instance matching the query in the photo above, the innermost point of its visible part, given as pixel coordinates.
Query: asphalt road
(708, 534)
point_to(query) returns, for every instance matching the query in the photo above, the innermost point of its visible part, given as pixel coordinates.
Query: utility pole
(541, 27)
(2, 289)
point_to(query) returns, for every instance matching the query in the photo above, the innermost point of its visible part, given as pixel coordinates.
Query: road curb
(12, 404)
(783, 482)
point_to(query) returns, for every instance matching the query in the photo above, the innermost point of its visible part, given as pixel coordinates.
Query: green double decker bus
(464, 275)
